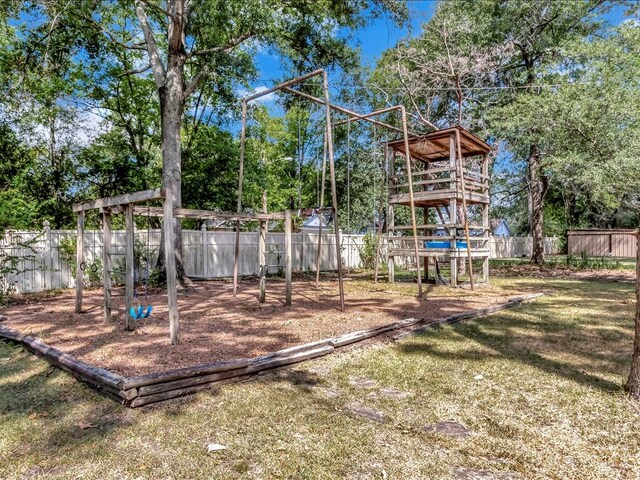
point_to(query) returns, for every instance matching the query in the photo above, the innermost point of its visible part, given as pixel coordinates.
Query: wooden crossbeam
(207, 214)
(118, 200)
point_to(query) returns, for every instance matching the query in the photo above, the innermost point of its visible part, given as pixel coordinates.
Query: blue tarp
(441, 244)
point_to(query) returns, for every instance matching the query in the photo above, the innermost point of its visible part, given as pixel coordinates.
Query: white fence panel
(206, 254)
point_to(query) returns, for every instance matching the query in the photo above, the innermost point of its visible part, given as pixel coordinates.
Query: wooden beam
(287, 255)
(207, 214)
(170, 265)
(106, 265)
(125, 199)
(129, 268)
(79, 261)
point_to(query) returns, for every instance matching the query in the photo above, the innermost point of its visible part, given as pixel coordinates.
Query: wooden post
(390, 220)
(453, 210)
(465, 211)
(170, 264)
(130, 323)
(47, 256)
(79, 261)
(205, 257)
(262, 260)
(287, 255)
(334, 194)
(106, 264)
(485, 218)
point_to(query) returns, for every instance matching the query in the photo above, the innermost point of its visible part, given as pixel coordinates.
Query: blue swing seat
(140, 312)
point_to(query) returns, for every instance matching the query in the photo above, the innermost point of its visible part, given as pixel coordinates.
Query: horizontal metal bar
(283, 86)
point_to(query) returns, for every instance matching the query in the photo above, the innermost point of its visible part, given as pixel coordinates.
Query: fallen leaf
(85, 426)
(215, 447)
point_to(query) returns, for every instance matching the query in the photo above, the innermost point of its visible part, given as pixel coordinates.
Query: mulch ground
(216, 326)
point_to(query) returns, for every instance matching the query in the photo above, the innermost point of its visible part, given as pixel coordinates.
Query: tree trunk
(171, 109)
(633, 383)
(537, 189)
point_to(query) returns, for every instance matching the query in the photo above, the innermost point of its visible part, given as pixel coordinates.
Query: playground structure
(451, 188)
(463, 184)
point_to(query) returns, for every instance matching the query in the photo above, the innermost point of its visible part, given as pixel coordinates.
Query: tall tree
(190, 44)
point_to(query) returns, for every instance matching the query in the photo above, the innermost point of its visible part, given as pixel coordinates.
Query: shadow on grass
(584, 334)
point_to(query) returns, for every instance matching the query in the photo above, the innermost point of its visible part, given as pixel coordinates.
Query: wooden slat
(125, 199)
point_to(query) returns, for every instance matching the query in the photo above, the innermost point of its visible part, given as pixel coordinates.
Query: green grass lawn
(539, 389)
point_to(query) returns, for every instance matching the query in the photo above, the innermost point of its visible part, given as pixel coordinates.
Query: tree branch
(230, 45)
(135, 71)
(159, 72)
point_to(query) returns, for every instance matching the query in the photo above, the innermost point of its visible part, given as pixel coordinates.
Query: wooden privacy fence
(206, 254)
(602, 243)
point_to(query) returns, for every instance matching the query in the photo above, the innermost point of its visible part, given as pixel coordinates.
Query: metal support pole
(411, 202)
(334, 194)
(236, 255)
(321, 217)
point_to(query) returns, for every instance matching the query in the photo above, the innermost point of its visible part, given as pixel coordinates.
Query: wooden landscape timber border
(137, 391)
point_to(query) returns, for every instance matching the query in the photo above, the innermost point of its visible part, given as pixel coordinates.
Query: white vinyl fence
(207, 254)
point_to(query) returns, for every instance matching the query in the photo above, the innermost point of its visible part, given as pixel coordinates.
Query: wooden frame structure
(454, 181)
(125, 204)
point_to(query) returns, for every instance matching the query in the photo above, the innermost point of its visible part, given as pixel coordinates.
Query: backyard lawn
(533, 392)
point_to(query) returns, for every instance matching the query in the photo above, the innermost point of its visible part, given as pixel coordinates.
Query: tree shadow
(541, 333)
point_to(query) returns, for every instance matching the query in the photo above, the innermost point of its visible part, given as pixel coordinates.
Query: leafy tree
(190, 46)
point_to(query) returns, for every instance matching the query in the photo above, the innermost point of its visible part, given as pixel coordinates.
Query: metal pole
(321, 217)
(239, 206)
(346, 111)
(411, 202)
(334, 194)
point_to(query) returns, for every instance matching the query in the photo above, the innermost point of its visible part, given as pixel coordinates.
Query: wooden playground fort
(451, 183)
(452, 189)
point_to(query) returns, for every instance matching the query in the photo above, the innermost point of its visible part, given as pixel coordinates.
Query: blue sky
(379, 36)
(373, 40)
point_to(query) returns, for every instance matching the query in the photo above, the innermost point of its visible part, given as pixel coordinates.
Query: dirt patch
(215, 326)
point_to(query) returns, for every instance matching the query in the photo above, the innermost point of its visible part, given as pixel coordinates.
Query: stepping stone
(363, 382)
(327, 392)
(357, 408)
(450, 429)
(394, 393)
(462, 473)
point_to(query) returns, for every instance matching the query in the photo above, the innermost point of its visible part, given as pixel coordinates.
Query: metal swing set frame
(127, 204)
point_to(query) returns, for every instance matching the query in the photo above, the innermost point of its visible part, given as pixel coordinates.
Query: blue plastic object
(140, 312)
(442, 244)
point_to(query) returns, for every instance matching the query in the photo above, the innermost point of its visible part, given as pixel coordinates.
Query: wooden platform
(437, 198)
